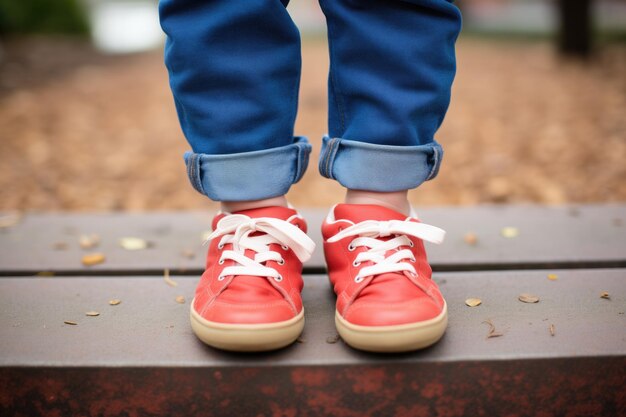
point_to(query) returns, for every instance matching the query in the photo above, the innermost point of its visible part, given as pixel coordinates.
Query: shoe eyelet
(358, 279)
(356, 264)
(221, 278)
(281, 262)
(284, 247)
(221, 262)
(412, 260)
(351, 248)
(220, 246)
(279, 278)
(411, 244)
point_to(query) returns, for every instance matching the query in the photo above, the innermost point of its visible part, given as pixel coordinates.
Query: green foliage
(42, 16)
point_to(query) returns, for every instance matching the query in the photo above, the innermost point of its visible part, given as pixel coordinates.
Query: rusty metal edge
(556, 387)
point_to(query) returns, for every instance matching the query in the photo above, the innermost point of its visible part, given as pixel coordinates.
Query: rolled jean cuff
(374, 167)
(248, 175)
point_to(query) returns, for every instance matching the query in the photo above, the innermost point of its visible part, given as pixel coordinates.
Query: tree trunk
(575, 35)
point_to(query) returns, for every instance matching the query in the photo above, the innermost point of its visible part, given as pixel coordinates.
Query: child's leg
(234, 71)
(392, 65)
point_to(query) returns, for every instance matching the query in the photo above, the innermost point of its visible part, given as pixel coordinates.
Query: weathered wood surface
(150, 329)
(141, 358)
(567, 236)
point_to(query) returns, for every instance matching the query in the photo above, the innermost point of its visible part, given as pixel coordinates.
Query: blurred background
(87, 121)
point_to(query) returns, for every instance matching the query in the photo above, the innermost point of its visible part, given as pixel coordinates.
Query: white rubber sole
(398, 338)
(247, 337)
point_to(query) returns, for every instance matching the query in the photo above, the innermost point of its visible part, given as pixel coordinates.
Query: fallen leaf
(89, 241)
(509, 232)
(114, 302)
(553, 277)
(470, 238)
(605, 295)
(60, 246)
(167, 279)
(71, 323)
(528, 298)
(93, 259)
(45, 274)
(188, 253)
(92, 313)
(9, 220)
(574, 211)
(133, 243)
(473, 302)
(180, 299)
(492, 330)
(552, 330)
(332, 339)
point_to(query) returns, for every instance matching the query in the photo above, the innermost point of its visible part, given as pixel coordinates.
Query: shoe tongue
(277, 212)
(358, 213)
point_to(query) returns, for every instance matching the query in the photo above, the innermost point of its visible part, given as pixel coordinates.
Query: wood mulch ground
(82, 131)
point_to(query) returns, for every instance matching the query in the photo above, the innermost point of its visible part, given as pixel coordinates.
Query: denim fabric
(234, 70)
(248, 175)
(391, 69)
(367, 166)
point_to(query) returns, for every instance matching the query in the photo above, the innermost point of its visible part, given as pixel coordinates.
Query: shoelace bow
(368, 233)
(236, 229)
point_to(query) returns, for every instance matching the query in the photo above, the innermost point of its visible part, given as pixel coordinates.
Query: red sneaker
(248, 298)
(386, 299)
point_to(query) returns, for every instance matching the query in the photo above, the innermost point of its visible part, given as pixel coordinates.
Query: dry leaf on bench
(605, 295)
(470, 238)
(509, 232)
(528, 298)
(89, 241)
(93, 259)
(71, 323)
(133, 243)
(114, 302)
(553, 277)
(552, 330)
(492, 330)
(332, 339)
(169, 281)
(9, 220)
(92, 314)
(473, 302)
(60, 246)
(188, 253)
(180, 299)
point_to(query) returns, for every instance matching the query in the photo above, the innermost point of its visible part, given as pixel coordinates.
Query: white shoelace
(368, 232)
(236, 229)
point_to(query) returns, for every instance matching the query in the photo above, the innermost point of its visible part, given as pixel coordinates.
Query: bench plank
(141, 358)
(150, 329)
(568, 236)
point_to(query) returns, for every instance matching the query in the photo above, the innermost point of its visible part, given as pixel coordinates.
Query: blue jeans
(234, 69)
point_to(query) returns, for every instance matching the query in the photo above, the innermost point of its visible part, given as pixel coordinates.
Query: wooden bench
(565, 355)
